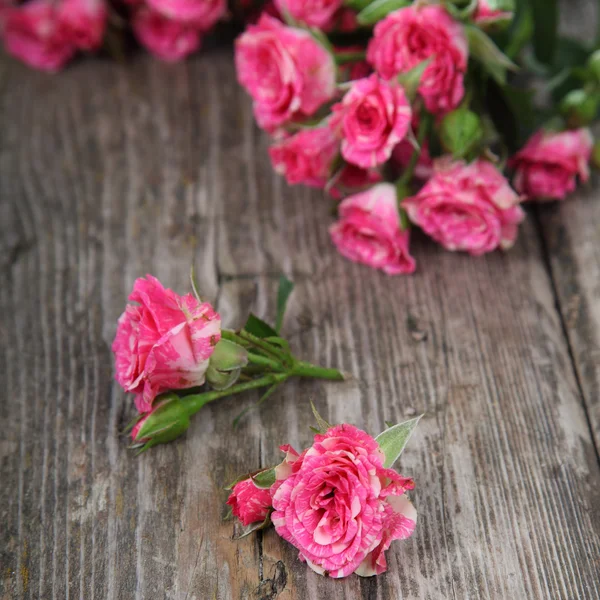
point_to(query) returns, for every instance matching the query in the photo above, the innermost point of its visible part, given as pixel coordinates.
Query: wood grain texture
(108, 172)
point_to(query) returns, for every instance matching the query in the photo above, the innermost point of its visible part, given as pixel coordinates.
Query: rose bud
(226, 364)
(580, 107)
(548, 166)
(164, 342)
(167, 420)
(249, 503)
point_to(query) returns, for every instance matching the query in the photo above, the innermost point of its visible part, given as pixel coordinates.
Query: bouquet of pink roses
(413, 114)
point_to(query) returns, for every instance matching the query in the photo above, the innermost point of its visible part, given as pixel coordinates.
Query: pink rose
(84, 22)
(316, 13)
(485, 15)
(285, 70)
(548, 166)
(202, 14)
(339, 506)
(164, 342)
(467, 207)
(306, 157)
(369, 232)
(371, 119)
(33, 33)
(168, 40)
(411, 35)
(249, 503)
(351, 179)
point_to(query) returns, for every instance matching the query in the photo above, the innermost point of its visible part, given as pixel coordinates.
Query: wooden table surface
(108, 172)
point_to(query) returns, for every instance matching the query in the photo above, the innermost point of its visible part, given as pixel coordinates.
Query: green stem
(305, 369)
(342, 58)
(195, 402)
(274, 351)
(414, 159)
(258, 359)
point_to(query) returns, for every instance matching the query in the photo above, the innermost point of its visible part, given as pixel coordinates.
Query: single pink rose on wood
(285, 70)
(306, 157)
(411, 35)
(34, 34)
(84, 22)
(339, 506)
(369, 232)
(249, 503)
(163, 342)
(315, 13)
(468, 207)
(201, 14)
(373, 117)
(548, 166)
(167, 39)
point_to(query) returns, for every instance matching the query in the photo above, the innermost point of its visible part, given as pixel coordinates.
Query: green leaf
(265, 479)
(411, 80)
(486, 52)
(393, 440)
(545, 29)
(461, 132)
(357, 5)
(258, 327)
(322, 424)
(283, 293)
(378, 10)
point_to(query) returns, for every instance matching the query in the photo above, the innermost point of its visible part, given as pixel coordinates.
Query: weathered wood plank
(571, 231)
(127, 169)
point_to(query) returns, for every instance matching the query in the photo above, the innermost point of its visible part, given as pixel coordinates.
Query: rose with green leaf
(339, 502)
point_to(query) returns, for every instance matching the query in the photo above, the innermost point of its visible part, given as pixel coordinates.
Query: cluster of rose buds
(406, 114)
(46, 34)
(168, 348)
(339, 502)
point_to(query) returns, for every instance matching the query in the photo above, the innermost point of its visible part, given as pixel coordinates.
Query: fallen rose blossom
(164, 342)
(339, 506)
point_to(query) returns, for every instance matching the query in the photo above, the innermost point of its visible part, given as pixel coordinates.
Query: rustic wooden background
(111, 171)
